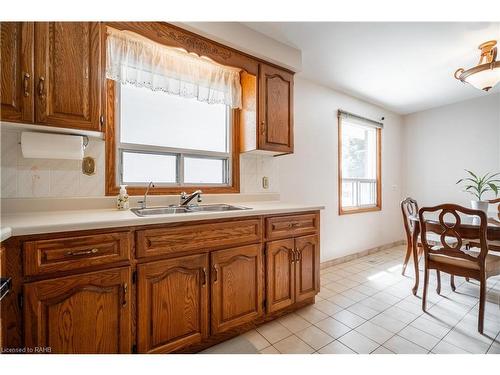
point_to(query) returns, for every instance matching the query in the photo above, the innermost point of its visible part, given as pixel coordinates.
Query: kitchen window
(172, 140)
(171, 118)
(359, 164)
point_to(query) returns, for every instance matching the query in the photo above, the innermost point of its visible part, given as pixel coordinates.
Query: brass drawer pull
(82, 252)
(26, 81)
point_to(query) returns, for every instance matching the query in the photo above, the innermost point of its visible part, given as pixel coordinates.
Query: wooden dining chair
(409, 207)
(454, 258)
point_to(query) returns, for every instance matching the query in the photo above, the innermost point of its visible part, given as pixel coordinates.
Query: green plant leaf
(494, 188)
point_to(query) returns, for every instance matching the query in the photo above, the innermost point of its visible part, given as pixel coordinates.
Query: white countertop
(5, 233)
(26, 223)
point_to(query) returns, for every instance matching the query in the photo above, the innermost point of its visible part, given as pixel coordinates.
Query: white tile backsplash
(27, 178)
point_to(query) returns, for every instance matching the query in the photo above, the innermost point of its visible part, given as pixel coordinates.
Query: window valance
(138, 61)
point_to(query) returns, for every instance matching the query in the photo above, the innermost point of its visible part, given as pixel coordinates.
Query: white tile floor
(366, 306)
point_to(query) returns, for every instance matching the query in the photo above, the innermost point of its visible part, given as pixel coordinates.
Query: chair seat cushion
(492, 262)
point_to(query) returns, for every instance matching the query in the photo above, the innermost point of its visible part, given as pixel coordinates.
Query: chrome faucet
(143, 203)
(185, 198)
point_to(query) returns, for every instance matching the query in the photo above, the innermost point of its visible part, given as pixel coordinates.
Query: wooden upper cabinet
(307, 267)
(275, 119)
(280, 275)
(236, 286)
(68, 74)
(172, 303)
(16, 89)
(87, 313)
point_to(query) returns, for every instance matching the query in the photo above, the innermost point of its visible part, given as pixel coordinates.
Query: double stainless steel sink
(172, 210)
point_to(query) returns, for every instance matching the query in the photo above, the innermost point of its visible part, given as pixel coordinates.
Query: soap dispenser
(122, 202)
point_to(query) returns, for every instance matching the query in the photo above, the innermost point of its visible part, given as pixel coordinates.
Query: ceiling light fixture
(486, 74)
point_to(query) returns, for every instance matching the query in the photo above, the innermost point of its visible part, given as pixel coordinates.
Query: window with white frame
(171, 140)
(359, 164)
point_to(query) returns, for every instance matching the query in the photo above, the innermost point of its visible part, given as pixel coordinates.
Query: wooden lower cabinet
(86, 313)
(280, 274)
(237, 286)
(292, 271)
(306, 267)
(172, 303)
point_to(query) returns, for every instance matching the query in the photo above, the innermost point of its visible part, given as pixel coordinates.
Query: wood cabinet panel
(280, 275)
(173, 303)
(189, 237)
(291, 225)
(236, 286)
(16, 71)
(307, 267)
(69, 253)
(275, 109)
(68, 74)
(88, 313)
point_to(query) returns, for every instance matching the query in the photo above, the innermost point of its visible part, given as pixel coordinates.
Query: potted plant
(477, 186)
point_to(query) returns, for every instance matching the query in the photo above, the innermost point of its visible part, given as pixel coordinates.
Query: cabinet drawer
(69, 253)
(291, 225)
(190, 237)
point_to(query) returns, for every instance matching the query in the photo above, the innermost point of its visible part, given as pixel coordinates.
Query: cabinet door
(280, 275)
(67, 74)
(87, 313)
(307, 267)
(172, 303)
(275, 110)
(16, 89)
(236, 286)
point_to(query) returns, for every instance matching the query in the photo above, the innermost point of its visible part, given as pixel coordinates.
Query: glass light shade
(485, 79)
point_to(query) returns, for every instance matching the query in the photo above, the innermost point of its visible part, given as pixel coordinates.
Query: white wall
(440, 143)
(310, 174)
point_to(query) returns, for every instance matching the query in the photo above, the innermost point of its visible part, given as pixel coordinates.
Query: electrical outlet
(265, 182)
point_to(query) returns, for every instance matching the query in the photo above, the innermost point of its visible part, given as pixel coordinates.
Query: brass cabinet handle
(26, 82)
(204, 281)
(82, 252)
(41, 86)
(262, 127)
(215, 273)
(293, 255)
(293, 225)
(299, 255)
(125, 292)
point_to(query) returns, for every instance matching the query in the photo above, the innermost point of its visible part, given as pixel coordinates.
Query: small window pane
(204, 171)
(155, 118)
(359, 151)
(359, 165)
(149, 167)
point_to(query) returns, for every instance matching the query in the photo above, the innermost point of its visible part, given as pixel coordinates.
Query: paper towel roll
(51, 146)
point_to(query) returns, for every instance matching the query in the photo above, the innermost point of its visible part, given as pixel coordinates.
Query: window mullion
(180, 168)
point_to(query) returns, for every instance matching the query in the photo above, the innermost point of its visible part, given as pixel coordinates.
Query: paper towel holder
(84, 137)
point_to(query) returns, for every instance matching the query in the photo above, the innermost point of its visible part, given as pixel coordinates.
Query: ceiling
(403, 66)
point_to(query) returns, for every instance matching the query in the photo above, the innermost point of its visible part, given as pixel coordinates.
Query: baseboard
(347, 258)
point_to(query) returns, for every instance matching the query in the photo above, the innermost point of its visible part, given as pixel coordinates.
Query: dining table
(466, 222)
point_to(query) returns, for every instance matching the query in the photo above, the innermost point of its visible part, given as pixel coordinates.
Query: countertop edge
(19, 230)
